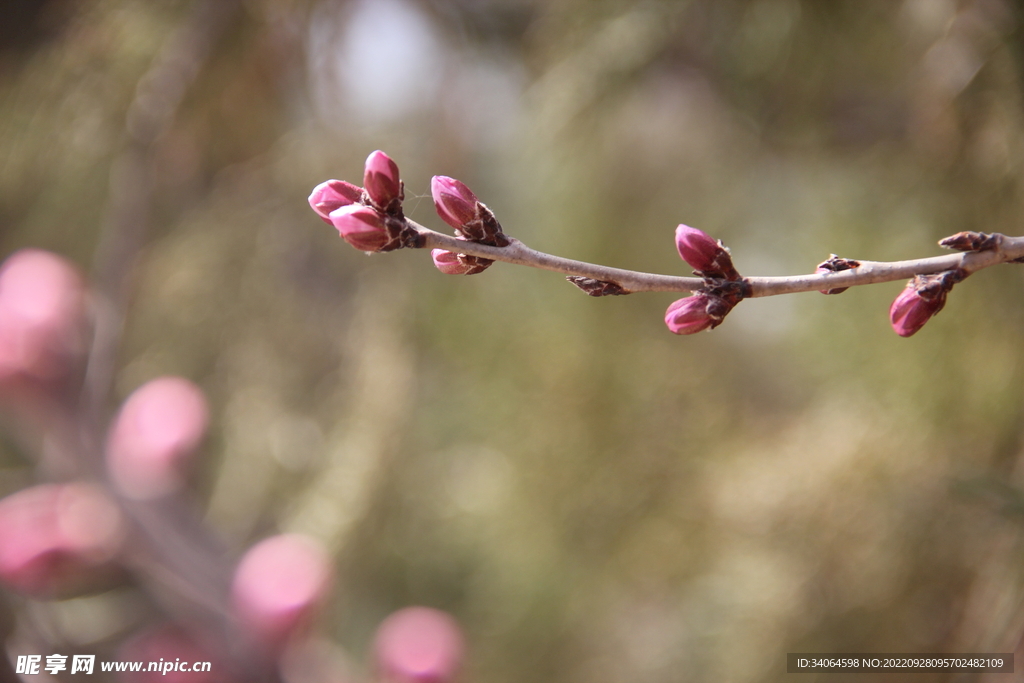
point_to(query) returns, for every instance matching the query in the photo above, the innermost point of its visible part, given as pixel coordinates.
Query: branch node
(969, 240)
(597, 287)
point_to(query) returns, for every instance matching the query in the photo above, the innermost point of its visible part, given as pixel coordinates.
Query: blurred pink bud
(361, 226)
(696, 313)
(176, 653)
(451, 263)
(419, 645)
(331, 195)
(278, 585)
(704, 254)
(381, 179)
(455, 203)
(154, 436)
(42, 315)
(910, 311)
(57, 538)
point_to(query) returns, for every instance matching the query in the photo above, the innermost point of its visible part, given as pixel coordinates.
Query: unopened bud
(706, 255)
(970, 240)
(331, 195)
(923, 297)
(696, 313)
(57, 538)
(361, 226)
(381, 180)
(154, 436)
(42, 315)
(451, 263)
(458, 207)
(455, 203)
(278, 586)
(419, 645)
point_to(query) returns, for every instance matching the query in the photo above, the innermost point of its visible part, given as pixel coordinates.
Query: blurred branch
(158, 96)
(182, 564)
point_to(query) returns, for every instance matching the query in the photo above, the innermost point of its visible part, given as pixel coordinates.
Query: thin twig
(869, 272)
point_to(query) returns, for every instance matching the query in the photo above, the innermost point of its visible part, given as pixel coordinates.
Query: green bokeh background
(593, 498)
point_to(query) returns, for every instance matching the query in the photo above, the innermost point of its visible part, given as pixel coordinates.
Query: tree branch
(1004, 250)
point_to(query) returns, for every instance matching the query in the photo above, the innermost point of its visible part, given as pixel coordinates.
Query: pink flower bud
(154, 437)
(419, 645)
(331, 195)
(42, 315)
(923, 297)
(704, 254)
(278, 585)
(176, 654)
(361, 226)
(696, 313)
(451, 263)
(455, 203)
(57, 538)
(910, 311)
(381, 179)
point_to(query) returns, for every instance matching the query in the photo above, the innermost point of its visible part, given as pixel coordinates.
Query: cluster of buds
(473, 221)
(925, 295)
(370, 218)
(723, 285)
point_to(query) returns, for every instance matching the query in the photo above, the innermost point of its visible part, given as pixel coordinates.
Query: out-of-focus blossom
(451, 263)
(154, 436)
(360, 226)
(42, 316)
(455, 203)
(381, 179)
(331, 195)
(696, 313)
(278, 585)
(183, 657)
(705, 254)
(55, 539)
(419, 645)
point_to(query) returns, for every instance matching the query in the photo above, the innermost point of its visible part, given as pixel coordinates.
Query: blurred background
(594, 499)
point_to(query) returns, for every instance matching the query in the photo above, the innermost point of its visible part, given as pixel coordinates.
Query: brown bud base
(401, 234)
(730, 291)
(474, 264)
(835, 264)
(722, 268)
(485, 229)
(971, 241)
(935, 287)
(597, 287)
